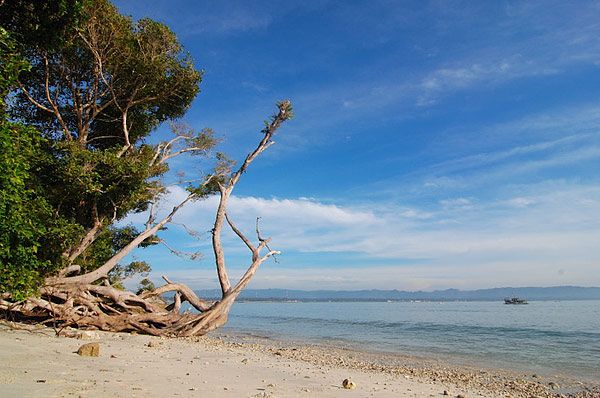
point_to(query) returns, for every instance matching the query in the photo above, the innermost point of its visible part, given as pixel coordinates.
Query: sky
(435, 144)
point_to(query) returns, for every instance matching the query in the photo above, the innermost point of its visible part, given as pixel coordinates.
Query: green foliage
(145, 285)
(220, 176)
(120, 273)
(191, 141)
(31, 236)
(41, 24)
(12, 64)
(87, 184)
(20, 211)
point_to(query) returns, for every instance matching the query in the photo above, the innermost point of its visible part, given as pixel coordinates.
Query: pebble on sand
(89, 350)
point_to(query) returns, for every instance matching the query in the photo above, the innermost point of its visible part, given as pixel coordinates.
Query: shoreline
(415, 358)
(36, 363)
(471, 375)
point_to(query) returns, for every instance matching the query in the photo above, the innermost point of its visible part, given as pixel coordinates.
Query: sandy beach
(36, 363)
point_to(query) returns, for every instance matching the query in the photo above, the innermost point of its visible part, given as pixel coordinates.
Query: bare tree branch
(85, 242)
(216, 240)
(240, 234)
(187, 294)
(52, 103)
(114, 260)
(32, 100)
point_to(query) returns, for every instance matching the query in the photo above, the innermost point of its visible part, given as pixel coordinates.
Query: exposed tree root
(110, 309)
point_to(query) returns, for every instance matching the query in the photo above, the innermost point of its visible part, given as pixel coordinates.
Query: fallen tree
(88, 300)
(89, 98)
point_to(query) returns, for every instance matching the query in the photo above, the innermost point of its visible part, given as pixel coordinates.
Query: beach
(35, 362)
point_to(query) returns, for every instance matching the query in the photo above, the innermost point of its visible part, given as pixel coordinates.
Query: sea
(559, 338)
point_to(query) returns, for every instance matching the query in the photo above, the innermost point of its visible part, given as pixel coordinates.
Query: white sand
(37, 364)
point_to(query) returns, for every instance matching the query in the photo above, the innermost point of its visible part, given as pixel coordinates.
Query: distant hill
(529, 293)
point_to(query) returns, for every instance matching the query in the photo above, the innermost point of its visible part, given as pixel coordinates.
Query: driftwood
(88, 301)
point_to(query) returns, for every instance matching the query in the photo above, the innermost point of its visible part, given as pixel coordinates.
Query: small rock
(88, 335)
(151, 344)
(445, 392)
(40, 381)
(348, 384)
(461, 396)
(245, 361)
(89, 350)
(553, 385)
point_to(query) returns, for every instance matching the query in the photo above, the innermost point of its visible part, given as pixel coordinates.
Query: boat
(515, 300)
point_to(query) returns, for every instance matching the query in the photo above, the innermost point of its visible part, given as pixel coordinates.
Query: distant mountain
(529, 293)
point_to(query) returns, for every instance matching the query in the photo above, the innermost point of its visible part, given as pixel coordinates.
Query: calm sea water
(546, 337)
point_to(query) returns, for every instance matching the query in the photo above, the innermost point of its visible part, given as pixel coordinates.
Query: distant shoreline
(493, 294)
(376, 300)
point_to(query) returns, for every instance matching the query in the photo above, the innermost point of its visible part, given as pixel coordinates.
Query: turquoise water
(546, 337)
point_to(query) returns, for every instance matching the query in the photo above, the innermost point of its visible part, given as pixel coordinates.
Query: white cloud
(457, 203)
(445, 80)
(415, 213)
(406, 277)
(521, 202)
(553, 226)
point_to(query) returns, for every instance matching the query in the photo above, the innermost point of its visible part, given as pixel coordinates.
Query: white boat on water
(515, 300)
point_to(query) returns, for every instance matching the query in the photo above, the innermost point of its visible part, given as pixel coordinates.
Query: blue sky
(436, 144)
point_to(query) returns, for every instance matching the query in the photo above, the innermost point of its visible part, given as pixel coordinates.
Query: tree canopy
(87, 86)
(82, 87)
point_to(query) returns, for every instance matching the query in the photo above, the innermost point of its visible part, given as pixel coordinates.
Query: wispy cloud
(564, 141)
(193, 18)
(530, 43)
(498, 156)
(236, 20)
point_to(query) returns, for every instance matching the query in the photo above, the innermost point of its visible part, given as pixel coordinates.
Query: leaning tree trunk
(88, 300)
